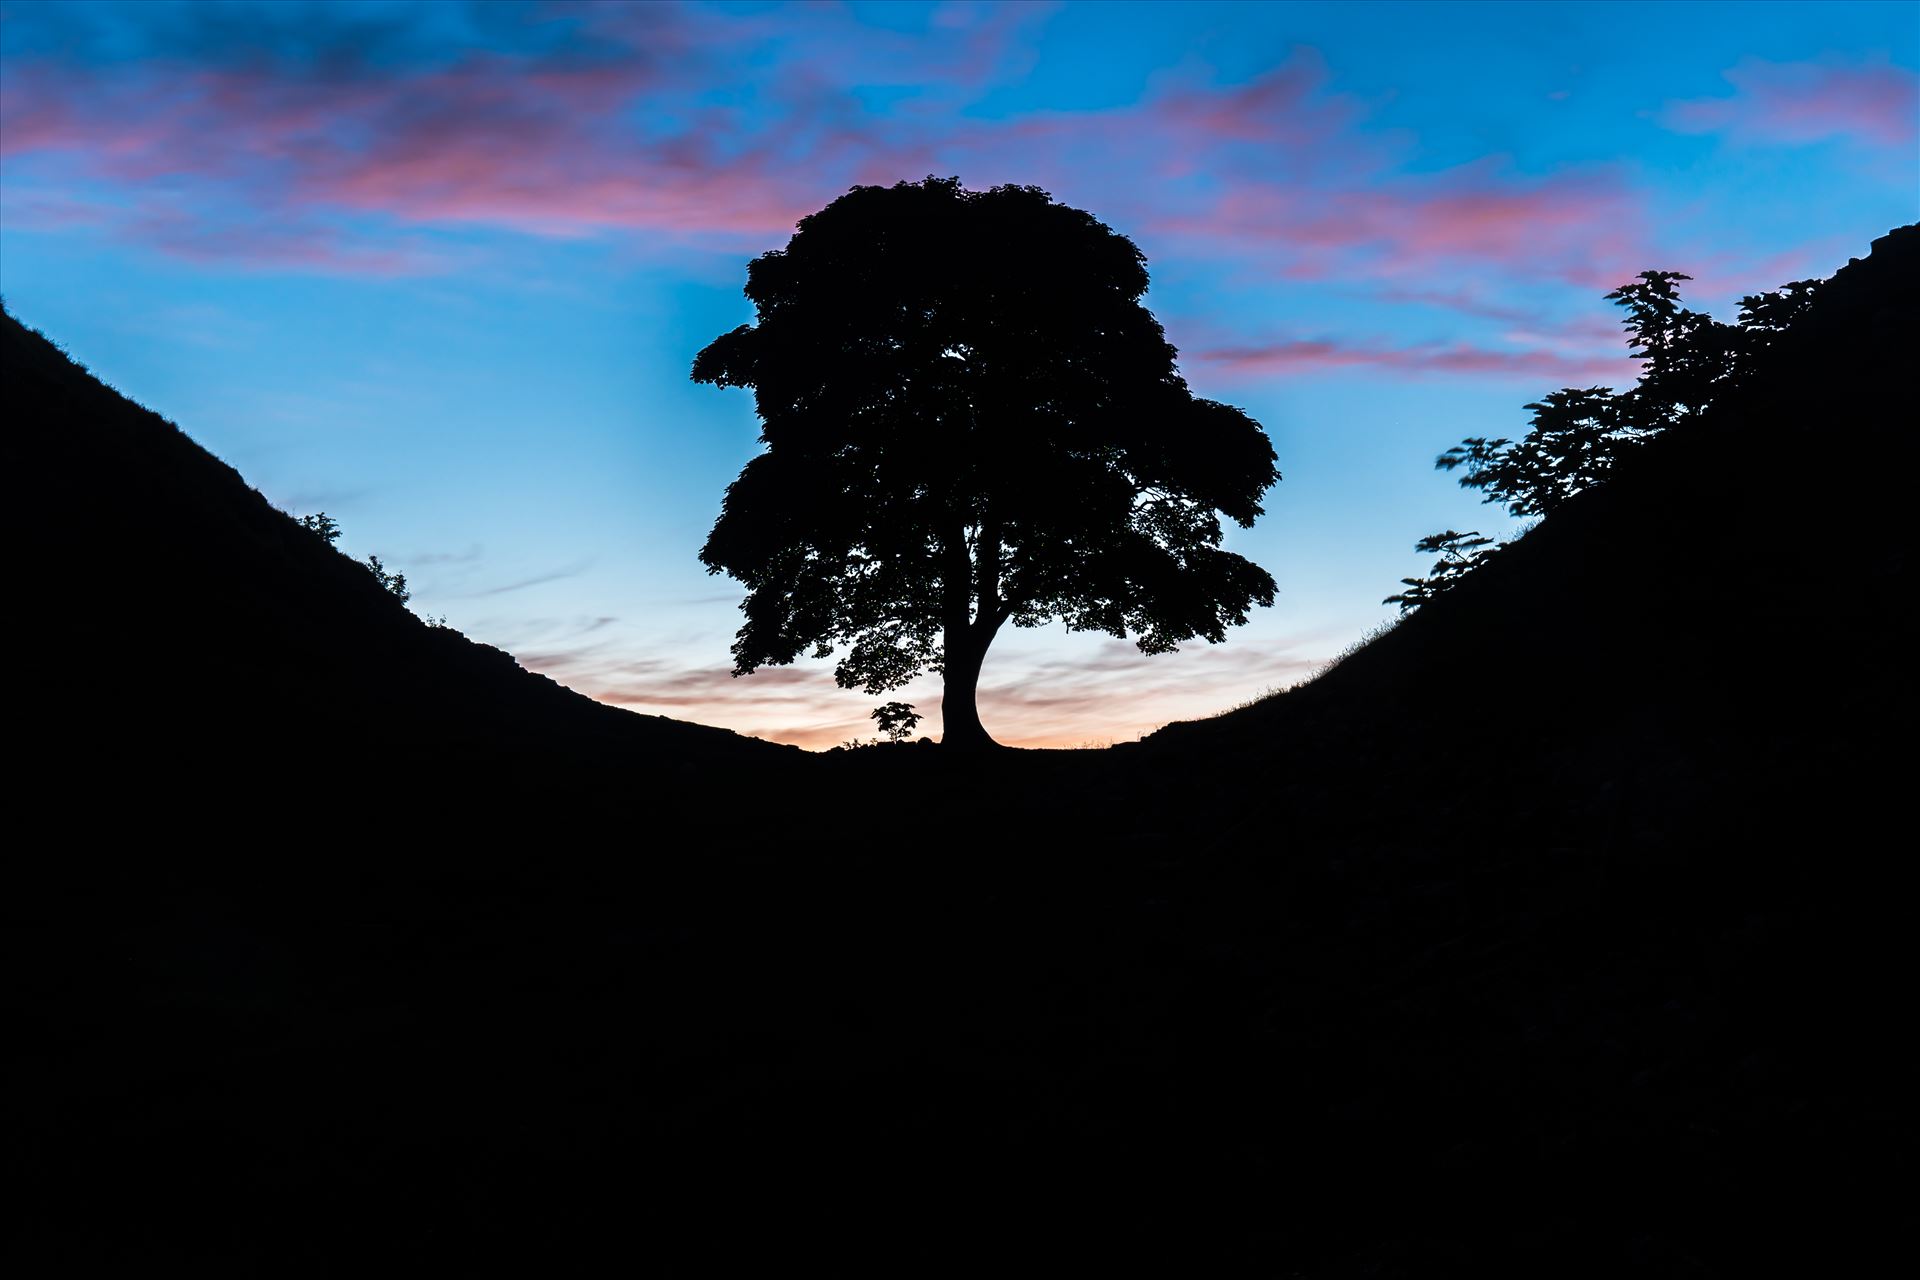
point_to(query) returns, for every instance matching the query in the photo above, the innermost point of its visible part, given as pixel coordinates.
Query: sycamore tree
(971, 420)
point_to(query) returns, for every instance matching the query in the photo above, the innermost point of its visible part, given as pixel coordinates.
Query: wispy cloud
(1326, 355)
(1871, 102)
(1028, 698)
(1581, 227)
(575, 120)
(520, 584)
(651, 119)
(471, 555)
(349, 141)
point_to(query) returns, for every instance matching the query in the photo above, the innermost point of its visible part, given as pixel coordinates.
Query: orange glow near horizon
(1108, 694)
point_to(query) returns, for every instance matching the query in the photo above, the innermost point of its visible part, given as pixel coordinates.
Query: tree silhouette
(1579, 435)
(971, 420)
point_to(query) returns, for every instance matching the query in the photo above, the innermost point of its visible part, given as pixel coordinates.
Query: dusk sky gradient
(441, 270)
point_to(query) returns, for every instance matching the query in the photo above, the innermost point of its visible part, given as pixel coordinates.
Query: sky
(440, 270)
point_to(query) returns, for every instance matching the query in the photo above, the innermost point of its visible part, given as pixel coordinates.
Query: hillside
(188, 635)
(1719, 622)
(1555, 933)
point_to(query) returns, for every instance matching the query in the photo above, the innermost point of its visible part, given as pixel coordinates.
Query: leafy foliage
(328, 529)
(1459, 554)
(896, 720)
(971, 420)
(396, 583)
(1579, 436)
(1575, 437)
(322, 524)
(1685, 355)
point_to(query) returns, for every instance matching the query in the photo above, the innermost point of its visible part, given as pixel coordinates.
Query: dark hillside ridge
(182, 626)
(1728, 603)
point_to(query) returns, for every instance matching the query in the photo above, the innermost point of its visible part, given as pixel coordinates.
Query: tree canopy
(970, 419)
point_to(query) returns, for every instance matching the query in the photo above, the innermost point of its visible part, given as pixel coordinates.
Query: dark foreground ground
(1669, 1057)
(1561, 932)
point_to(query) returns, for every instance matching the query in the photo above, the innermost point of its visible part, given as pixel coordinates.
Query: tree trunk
(959, 712)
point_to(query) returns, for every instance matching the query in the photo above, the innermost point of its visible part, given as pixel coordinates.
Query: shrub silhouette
(328, 530)
(971, 420)
(395, 583)
(323, 525)
(897, 720)
(1459, 553)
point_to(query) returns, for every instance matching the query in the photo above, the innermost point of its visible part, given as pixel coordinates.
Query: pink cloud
(1306, 356)
(623, 130)
(1802, 102)
(725, 127)
(35, 122)
(297, 246)
(1284, 123)
(1286, 104)
(548, 144)
(571, 145)
(27, 209)
(1469, 299)
(1584, 228)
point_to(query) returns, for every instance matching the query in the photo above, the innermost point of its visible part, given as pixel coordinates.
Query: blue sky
(440, 270)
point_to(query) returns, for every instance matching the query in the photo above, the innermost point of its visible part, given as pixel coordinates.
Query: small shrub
(396, 583)
(1460, 553)
(896, 720)
(323, 525)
